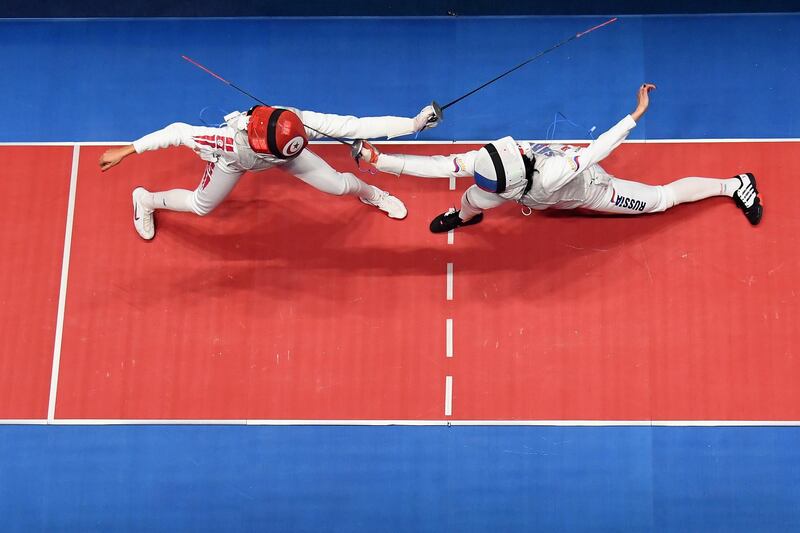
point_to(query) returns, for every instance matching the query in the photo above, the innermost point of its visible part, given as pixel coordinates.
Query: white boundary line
(50, 420)
(477, 141)
(434, 422)
(62, 293)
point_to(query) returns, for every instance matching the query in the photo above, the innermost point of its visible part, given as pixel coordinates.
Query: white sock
(732, 185)
(173, 200)
(693, 189)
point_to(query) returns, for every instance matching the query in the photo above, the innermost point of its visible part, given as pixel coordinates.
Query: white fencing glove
(426, 119)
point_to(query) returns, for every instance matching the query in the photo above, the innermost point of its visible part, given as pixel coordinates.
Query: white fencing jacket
(562, 173)
(227, 145)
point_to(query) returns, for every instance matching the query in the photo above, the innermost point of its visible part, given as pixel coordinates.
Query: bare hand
(644, 95)
(113, 156)
(643, 100)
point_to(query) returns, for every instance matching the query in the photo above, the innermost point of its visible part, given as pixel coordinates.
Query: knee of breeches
(666, 198)
(466, 201)
(200, 208)
(347, 184)
(201, 211)
(335, 183)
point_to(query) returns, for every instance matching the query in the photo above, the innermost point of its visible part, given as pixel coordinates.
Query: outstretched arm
(435, 166)
(113, 156)
(561, 171)
(605, 144)
(175, 134)
(350, 127)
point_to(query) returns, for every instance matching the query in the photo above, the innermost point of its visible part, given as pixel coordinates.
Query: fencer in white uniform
(542, 176)
(257, 140)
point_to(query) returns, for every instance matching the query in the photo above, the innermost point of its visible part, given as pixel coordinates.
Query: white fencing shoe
(388, 204)
(143, 219)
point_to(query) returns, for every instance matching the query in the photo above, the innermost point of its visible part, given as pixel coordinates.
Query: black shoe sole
(441, 225)
(754, 214)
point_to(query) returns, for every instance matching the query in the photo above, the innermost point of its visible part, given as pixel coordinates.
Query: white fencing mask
(499, 166)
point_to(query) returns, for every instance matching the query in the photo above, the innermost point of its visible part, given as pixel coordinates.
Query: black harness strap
(499, 169)
(272, 142)
(529, 163)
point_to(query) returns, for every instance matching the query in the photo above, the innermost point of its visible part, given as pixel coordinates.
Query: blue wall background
(112, 80)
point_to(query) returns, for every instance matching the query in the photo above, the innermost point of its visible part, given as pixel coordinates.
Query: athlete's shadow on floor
(259, 245)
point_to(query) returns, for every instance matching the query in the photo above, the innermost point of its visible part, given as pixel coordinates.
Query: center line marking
(62, 292)
(448, 395)
(449, 336)
(449, 281)
(450, 235)
(452, 183)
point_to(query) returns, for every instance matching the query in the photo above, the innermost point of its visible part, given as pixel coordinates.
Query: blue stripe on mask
(485, 183)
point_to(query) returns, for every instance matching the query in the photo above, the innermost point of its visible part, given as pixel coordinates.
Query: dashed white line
(449, 337)
(452, 183)
(449, 281)
(62, 294)
(448, 396)
(450, 236)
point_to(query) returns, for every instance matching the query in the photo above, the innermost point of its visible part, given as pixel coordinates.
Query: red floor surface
(689, 314)
(34, 207)
(288, 303)
(283, 303)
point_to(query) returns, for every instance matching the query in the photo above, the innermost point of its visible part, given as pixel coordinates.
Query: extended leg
(214, 187)
(630, 197)
(313, 170)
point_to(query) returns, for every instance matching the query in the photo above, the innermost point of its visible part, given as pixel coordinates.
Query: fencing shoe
(450, 220)
(143, 219)
(747, 199)
(388, 204)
